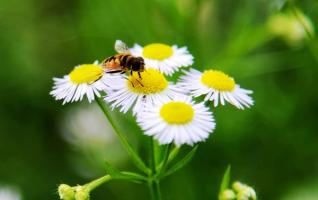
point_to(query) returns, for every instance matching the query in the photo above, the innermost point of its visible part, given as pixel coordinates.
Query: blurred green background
(273, 146)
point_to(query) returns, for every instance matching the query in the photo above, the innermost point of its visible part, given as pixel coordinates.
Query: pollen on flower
(218, 80)
(157, 51)
(151, 81)
(86, 73)
(177, 112)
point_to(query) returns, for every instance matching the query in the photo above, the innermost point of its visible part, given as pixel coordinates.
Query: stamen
(151, 81)
(157, 51)
(177, 112)
(218, 80)
(87, 73)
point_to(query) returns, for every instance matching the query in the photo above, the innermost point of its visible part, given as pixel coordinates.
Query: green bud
(238, 186)
(66, 192)
(227, 194)
(81, 193)
(244, 192)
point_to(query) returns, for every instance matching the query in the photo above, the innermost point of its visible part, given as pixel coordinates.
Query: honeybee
(123, 61)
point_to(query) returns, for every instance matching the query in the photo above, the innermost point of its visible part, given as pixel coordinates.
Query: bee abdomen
(125, 60)
(108, 59)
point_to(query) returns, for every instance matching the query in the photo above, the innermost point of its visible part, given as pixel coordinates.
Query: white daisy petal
(165, 58)
(134, 92)
(216, 87)
(86, 79)
(178, 120)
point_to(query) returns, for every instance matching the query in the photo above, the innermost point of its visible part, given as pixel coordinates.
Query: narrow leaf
(116, 174)
(185, 160)
(226, 179)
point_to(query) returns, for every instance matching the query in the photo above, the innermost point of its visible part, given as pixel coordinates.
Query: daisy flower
(216, 86)
(85, 79)
(132, 91)
(167, 59)
(177, 120)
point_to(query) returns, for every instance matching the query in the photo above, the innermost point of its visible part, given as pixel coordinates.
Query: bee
(123, 61)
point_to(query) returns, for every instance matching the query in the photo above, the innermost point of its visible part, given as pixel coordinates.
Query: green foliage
(225, 183)
(273, 143)
(181, 163)
(130, 176)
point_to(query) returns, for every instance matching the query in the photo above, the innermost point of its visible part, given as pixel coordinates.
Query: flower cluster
(239, 191)
(169, 112)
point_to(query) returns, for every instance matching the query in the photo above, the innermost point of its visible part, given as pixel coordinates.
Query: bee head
(138, 64)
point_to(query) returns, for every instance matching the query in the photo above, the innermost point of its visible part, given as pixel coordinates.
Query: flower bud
(81, 193)
(227, 194)
(244, 192)
(238, 186)
(66, 192)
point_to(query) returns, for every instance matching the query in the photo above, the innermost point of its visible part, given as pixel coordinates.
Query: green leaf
(163, 164)
(131, 176)
(185, 160)
(226, 179)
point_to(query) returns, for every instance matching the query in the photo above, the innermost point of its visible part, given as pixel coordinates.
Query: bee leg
(95, 80)
(113, 72)
(139, 75)
(139, 82)
(130, 81)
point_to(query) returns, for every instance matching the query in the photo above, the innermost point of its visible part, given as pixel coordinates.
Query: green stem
(163, 164)
(152, 156)
(300, 19)
(136, 159)
(95, 183)
(153, 182)
(154, 188)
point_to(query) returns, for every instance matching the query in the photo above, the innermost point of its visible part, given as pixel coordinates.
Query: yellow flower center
(157, 51)
(86, 73)
(151, 81)
(218, 80)
(177, 112)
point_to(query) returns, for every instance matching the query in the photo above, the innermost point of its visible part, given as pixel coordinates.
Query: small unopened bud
(244, 192)
(66, 192)
(227, 194)
(81, 193)
(238, 186)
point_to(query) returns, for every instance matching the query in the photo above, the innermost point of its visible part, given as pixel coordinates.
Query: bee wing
(121, 47)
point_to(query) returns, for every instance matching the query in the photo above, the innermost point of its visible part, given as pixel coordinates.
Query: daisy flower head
(177, 120)
(216, 86)
(165, 58)
(134, 91)
(85, 79)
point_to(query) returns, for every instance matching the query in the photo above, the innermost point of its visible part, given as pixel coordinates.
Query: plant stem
(154, 188)
(300, 19)
(95, 183)
(137, 160)
(164, 162)
(152, 156)
(153, 182)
